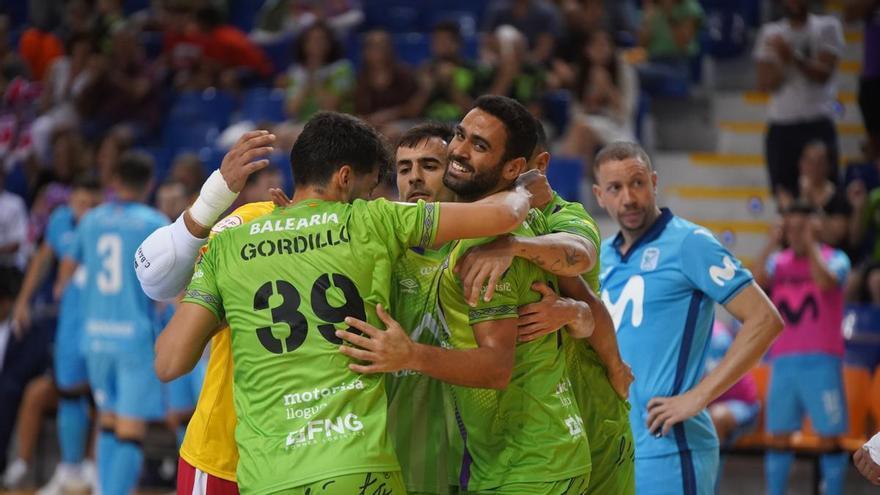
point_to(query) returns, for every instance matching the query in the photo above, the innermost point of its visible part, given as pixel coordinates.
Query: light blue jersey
(119, 317)
(68, 361)
(661, 295)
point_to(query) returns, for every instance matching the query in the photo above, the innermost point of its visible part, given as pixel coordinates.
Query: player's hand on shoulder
(621, 377)
(384, 351)
(666, 412)
(246, 157)
(483, 266)
(536, 184)
(278, 197)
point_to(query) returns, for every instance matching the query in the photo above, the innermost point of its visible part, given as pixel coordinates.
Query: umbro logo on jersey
(650, 259)
(722, 274)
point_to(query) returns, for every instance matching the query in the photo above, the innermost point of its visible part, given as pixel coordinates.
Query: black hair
(619, 151)
(334, 52)
(89, 182)
(209, 16)
(448, 26)
(330, 140)
(540, 139)
(135, 170)
(518, 122)
(423, 132)
(582, 79)
(799, 207)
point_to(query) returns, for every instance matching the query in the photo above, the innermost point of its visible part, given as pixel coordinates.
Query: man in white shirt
(13, 228)
(796, 60)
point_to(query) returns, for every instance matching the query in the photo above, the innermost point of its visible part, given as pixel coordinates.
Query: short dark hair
(799, 207)
(540, 139)
(330, 140)
(335, 51)
(89, 182)
(619, 151)
(448, 26)
(423, 132)
(518, 122)
(135, 170)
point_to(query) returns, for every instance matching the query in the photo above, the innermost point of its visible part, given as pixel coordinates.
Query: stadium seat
(861, 329)
(243, 13)
(211, 157)
(412, 48)
(263, 104)
(189, 136)
(557, 106)
(209, 105)
(280, 52)
(565, 175)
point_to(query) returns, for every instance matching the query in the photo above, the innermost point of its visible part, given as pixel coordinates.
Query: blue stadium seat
(412, 48)
(281, 162)
(865, 172)
(211, 158)
(565, 175)
(17, 10)
(261, 104)
(209, 105)
(162, 160)
(189, 136)
(243, 13)
(132, 6)
(280, 52)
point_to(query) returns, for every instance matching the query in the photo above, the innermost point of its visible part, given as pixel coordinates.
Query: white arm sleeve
(164, 261)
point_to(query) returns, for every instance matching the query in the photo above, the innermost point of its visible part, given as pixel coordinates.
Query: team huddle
(452, 342)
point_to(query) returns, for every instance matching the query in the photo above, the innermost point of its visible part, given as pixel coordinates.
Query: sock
(127, 461)
(181, 433)
(73, 429)
(777, 464)
(833, 468)
(106, 453)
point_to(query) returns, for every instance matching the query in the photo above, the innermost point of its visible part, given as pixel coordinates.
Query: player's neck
(630, 237)
(322, 193)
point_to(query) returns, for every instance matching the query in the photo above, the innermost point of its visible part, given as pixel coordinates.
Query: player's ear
(597, 191)
(513, 169)
(344, 177)
(654, 179)
(542, 161)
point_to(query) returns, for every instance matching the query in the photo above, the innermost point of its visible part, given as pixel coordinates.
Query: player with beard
(519, 430)
(599, 377)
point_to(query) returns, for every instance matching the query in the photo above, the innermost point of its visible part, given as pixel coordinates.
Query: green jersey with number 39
(530, 432)
(285, 282)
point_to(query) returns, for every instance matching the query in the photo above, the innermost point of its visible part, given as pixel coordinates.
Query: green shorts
(390, 483)
(606, 421)
(571, 486)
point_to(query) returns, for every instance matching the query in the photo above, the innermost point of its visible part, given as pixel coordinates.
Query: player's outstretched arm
(164, 261)
(181, 343)
(559, 253)
(497, 214)
(761, 324)
(490, 365)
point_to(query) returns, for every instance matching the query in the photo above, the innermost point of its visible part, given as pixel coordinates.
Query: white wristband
(214, 199)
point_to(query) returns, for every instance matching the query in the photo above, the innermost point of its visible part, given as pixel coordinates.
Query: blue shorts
(811, 384)
(183, 393)
(68, 362)
(685, 473)
(126, 385)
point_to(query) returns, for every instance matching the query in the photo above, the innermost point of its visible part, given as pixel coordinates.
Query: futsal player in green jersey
(416, 402)
(518, 430)
(599, 377)
(306, 422)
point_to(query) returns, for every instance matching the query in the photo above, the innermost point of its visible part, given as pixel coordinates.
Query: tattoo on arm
(572, 257)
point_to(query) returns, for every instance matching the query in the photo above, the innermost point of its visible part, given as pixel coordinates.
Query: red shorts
(194, 481)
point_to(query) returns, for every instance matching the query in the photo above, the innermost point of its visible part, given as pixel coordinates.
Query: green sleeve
(574, 219)
(203, 289)
(404, 225)
(506, 300)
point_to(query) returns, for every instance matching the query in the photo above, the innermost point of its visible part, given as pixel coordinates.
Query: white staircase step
(710, 169)
(752, 106)
(743, 203)
(748, 137)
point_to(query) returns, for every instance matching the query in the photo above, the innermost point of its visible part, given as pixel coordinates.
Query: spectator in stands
(385, 87)
(669, 35)
(605, 90)
(735, 412)
(38, 46)
(822, 194)
(513, 74)
(121, 91)
(67, 78)
(172, 199)
(189, 171)
(229, 48)
(109, 18)
(279, 18)
(13, 228)
(537, 20)
(869, 84)
(320, 78)
(796, 59)
(116, 142)
(448, 82)
(582, 17)
(257, 187)
(806, 282)
(864, 285)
